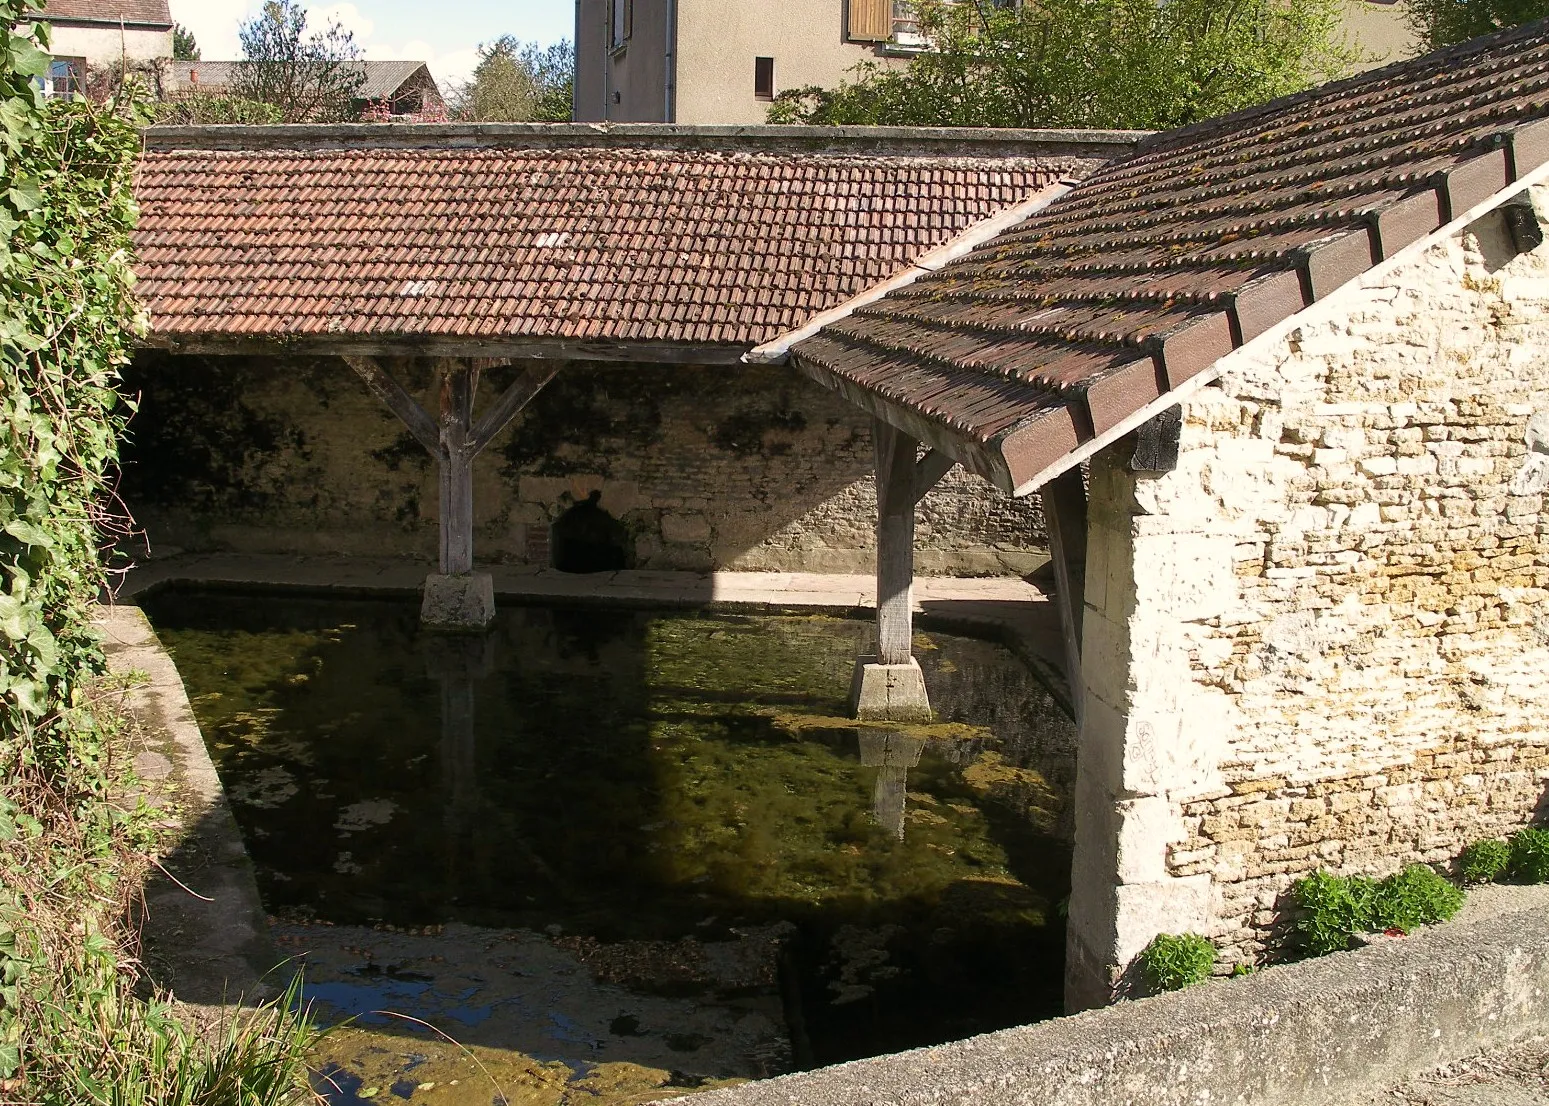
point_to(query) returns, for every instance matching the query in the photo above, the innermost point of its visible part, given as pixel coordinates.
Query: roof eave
(1027, 480)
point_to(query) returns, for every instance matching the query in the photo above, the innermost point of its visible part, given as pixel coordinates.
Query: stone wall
(1321, 642)
(732, 467)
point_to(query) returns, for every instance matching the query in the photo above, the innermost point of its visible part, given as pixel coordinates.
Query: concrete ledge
(1309, 1034)
(763, 138)
(208, 941)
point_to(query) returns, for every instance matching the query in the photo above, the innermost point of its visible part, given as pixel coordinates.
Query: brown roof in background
(627, 245)
(149, 12)
(1155, 267)
(380, 79)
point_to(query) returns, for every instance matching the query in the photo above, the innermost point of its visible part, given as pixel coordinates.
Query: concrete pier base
(462, 602)
(889, 692)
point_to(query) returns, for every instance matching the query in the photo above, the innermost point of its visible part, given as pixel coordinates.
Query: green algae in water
(629, 776)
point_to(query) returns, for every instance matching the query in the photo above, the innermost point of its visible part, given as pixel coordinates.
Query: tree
(518, 82)
(310, 78)
(1438, 23)
(184, 48)
(1088, 63)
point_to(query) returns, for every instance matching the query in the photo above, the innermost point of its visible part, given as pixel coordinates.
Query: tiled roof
(381, 78)
(147, 12)
(1153, 268)
(627, 245)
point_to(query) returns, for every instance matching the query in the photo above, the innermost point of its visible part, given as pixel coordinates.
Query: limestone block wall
(1324, 640)
(751, 468)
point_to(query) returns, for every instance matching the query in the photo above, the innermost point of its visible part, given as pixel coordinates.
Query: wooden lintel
(509, 405)
(400, 402)
(929, 471)
(973, 456)
(514, 349)
(1065, 519)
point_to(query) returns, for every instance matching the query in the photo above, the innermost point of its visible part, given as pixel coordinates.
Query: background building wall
(1322, 642)
(106, 46)
(717, 43)
(724, 467)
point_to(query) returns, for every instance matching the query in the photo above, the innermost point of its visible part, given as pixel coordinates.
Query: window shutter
(871, 20)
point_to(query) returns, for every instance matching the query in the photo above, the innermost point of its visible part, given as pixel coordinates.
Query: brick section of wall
(1321, 642)
(741, 468)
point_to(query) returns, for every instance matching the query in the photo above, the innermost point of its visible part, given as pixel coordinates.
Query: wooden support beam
(1064, 517)
(929, 472)
(510, 404)
(1156, 443)
(459, 381)
(400, 402)
(895, 542)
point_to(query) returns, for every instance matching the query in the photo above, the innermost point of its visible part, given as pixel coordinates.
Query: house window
(763, 78)
(621, 17)
(65, 77)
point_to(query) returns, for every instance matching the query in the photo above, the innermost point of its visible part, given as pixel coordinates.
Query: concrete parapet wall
(1315, 1033)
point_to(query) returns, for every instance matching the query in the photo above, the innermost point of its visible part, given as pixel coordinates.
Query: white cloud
(347, 16)
(214, 24)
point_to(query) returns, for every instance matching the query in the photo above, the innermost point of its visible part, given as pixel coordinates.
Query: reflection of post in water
(458, 661)
(892, 754)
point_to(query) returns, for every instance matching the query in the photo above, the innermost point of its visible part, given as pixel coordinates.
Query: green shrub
(1337, 908)
(1485, 862)
(202, 109)
(1414, 897)
(1172, 962)
(1530, 855)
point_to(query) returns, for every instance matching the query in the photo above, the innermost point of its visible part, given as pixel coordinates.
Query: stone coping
(206, 940)
(1315, 1033)
(935, 142)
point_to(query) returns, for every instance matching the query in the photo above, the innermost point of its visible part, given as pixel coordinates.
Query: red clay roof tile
(625, 245)
(1155, 267)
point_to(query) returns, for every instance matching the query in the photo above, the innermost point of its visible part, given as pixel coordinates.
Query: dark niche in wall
(587, 538)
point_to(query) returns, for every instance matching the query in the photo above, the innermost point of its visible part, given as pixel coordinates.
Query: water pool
(601, 836)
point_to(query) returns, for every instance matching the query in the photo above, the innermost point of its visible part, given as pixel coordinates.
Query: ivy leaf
(28, 534)
(26, 59)
(26, 195)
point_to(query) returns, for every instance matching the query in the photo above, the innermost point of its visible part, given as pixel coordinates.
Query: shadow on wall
(587, 538)
(705, 467)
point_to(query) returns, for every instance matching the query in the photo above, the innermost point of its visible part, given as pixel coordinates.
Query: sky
(445, 34)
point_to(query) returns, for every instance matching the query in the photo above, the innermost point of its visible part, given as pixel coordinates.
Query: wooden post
(1064, 516)
(459, 380)
(895, 542)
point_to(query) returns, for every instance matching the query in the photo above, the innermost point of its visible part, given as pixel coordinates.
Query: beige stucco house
(98, 34)
(693, 61)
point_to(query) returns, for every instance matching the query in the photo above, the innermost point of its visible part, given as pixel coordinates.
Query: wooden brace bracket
(426, 429)
(1156, 443)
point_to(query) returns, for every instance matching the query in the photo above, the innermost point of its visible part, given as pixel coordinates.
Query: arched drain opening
(587, 538)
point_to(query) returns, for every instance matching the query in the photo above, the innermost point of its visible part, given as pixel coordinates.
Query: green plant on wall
(1485, 862)
(71, 1027)
(1530, 855)
(1173, 961)
(1336, 909)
